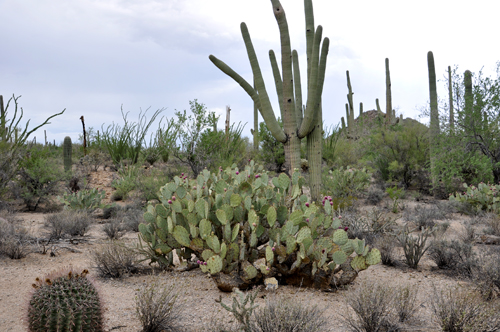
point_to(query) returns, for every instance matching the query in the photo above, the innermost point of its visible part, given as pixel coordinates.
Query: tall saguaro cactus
(67, 150)
(388, 94)
(469, 99)
(450, 93)
(434, 123)
(297, 122)
(3, 121)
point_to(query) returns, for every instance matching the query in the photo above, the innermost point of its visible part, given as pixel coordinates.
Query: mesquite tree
(297, 122)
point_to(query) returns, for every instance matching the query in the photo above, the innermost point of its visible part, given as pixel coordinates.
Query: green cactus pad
(213, 243)
(253, 218)
(214, 264)
(359, 263)
(149, 217)
(206, 254)
(359, 246)
(191, 218)
(304, 232)
(205, 228)
(269, 255)
(221, 215)
(314, 268)
(193, 230)
(190, 205)
(253, 239)
(283, 181)
(340, 237)
(181, 235)
(200, 208)
(271, 216)
(248, 271)
(339, 257)
(229, 212)
(324, 257)
(347, 248)
(181, 192)
(335, 223)
(170, 225)
(161, 211)
(176, 206)
(291, 244)
(204, 268)
(373, 257)
(162, 234)
(223, 250)
(297, 217)
(196, 244)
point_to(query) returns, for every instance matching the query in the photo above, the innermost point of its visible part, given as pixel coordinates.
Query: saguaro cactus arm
(298, 87)
(388, 94)
(277, 80)
(434, 125)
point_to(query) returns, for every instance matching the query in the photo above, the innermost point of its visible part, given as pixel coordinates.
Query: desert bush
(345, 183)
(84, 200)
(284, 315)
(14, 239)
(114, 260)
(455, 256)
(367, 227)
(114, 229)
(126, 182)
(457, 309)
(405, 302)
(149, 183)
(67, 222)
(131, 218)
(242, 308)
(271, 151)
(386, 244)
(487, 273)
(414, 247)
(395, 194)
(492, 222)
(424, 217)
(374, 195)
(469, 234)
(157, 308)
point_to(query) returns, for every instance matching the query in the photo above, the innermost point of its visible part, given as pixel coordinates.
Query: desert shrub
(487, 273)
(157, 308)
(114, 229)
(344, 183)
(374, 195)
(272, 152)
(149, 183)
(458, 309)
(14, 239)
(67, 222)
(395, 194)
(469, 234)
(114, 260)
(284, 315)
(414, 247)
(242, 308)
(367, 227)
(131, 218)
(424, 217)
(386, 244)
(371, 305)
(455, 256)
(405, 302)
(492, 222)
(37, 177)
(126, 182)
(399, 151)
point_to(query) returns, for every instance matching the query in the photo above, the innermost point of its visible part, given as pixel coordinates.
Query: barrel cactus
(67, 150)
(65, 301)
(242, 227)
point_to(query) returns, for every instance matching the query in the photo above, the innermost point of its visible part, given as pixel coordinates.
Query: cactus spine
(67, 150)
(434, 123)
(64, 302)
(450, 93)
(296, 124)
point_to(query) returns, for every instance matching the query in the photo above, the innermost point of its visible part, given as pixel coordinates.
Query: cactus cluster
(65, 301)
(242, 226)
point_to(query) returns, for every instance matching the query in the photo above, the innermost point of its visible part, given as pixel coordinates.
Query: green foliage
(331, 140)
(224, 218)
(395, 194)
(400, 151)
(126, 142)
(65, 301)
(38, 176)
(414, 247)
(343, 183)
(86, 199)
(484, 197)
(242, 308)
(162, 143)
(272, 152)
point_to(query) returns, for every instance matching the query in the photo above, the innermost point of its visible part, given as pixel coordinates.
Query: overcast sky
(90, 57)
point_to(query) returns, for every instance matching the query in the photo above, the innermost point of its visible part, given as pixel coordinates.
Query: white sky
(92, 56)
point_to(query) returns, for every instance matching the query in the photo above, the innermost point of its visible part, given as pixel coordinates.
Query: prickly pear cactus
(242, 225)
(65, 301)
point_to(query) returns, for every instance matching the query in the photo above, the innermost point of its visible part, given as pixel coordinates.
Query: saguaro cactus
(3, 121)
(469, 99)
(67, 150)
(434, 123)
(388, 94)
(450, 93)
(297, 123)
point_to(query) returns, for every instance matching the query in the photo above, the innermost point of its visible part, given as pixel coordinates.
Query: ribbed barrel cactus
(242, 226)
(65, 301)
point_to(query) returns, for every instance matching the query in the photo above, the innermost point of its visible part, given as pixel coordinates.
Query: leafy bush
(234, 212)
(344, 183)
(127, 181)
(158, 309)
(114, 260)
(86, 199)
(458, 310)
(483, 197)
(73, 223)
(395, 194)
(271, 152)
(38, 177)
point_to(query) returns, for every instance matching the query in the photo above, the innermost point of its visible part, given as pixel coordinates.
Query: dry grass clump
(15, 242)
(68, 222)
(114, 260)
(157, 308)
(455, 256)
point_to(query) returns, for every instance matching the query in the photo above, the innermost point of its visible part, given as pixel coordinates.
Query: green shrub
(344, 183)
(414, 247)
(395, 194)
(484, 197)
(86, 199)
(271, 152)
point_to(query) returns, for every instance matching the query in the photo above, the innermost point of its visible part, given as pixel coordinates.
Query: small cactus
(67, 149)
(65, 301)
